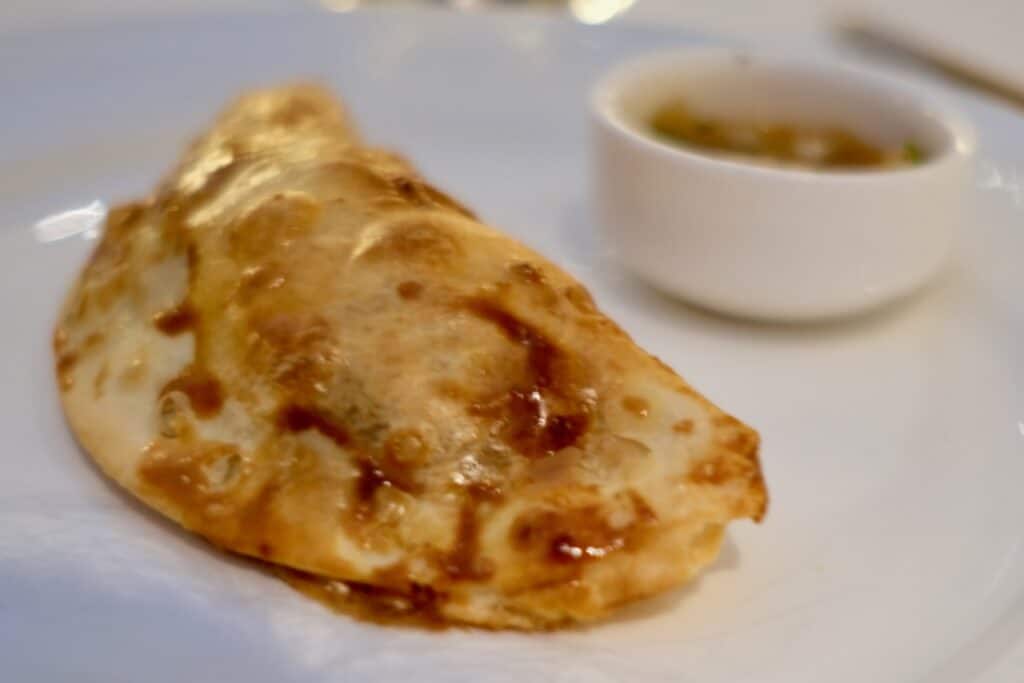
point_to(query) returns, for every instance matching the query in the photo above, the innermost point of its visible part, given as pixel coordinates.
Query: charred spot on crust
(176, 320)
(419, 193)
(65, 366)
(297, 418)
(202, 389)
(369, 480)
(463, 562)
(67, 359)
(375, 468)
(533, 430)
(542, 415)
(410, 289)
(192, 474)
(406, 187)
(578, 535)
(297, 350)
(541, 353)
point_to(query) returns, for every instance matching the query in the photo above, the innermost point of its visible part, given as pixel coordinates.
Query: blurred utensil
(878, 39)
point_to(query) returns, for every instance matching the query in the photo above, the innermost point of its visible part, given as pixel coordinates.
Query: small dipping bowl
(768, 241)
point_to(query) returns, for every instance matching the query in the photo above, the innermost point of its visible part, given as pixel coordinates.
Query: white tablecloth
(987, 32)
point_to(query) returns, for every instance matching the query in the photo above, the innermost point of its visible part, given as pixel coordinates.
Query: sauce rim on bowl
(822, 148)
(629, 95)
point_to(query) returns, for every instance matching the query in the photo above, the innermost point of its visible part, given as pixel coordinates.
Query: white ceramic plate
(893, 444)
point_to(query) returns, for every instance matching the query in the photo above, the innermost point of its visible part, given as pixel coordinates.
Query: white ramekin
(769, 241)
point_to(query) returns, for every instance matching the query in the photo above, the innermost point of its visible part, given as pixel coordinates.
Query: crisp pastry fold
(303, 352)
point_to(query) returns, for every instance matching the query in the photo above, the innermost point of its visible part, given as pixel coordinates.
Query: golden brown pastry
(301, 351)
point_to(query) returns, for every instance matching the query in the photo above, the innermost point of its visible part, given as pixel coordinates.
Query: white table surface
(982, 34)
(759, 20)
(986, 31)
